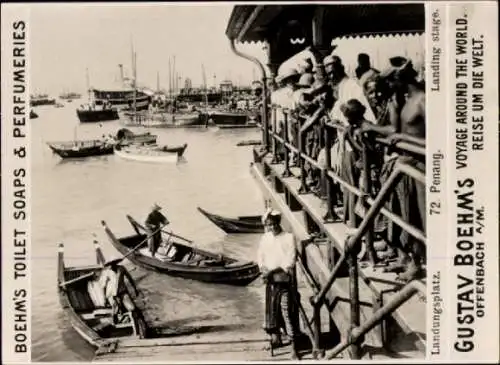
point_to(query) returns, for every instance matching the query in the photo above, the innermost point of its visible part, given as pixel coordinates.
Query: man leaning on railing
(406, 114)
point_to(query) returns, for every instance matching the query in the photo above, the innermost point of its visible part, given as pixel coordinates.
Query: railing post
(304, 189)
(275, 159)
(287, 172)
(316, 330)
(330, 215)
(354, 298)
(367, 182)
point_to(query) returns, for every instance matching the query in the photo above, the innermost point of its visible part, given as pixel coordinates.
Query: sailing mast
(134, 85)
(87, 83)
(204, 76)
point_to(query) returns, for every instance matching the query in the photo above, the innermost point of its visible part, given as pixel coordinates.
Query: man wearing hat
(344, 89)
(112, 281)
(154, 223)
(365, 71)
(276, 257)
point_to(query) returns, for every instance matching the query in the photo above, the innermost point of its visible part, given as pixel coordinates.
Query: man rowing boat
(154, 223)
(112, 279)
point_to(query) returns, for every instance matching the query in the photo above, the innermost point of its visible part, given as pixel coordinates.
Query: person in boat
(112, 281)
(276, 257)
(154, 223)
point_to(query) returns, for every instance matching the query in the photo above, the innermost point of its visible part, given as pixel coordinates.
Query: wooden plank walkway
(249, 343)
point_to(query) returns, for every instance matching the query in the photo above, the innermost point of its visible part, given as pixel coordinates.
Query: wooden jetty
(244, 344)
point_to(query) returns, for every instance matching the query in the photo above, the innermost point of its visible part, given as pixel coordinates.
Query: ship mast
(134, 82)
(204, 84)
(87, 83)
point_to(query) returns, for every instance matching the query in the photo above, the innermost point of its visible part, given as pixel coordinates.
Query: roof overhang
(255, 23)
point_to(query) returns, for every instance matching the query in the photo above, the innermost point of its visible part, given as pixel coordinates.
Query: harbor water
(70, 198)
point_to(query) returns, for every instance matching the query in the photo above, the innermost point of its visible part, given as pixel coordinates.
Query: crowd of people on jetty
(387, 104)
(373, 105)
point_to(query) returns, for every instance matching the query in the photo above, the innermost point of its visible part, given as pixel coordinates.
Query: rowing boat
(79, 149)
(87, 309)
(183, 260)
(150, 153)
(248, 224)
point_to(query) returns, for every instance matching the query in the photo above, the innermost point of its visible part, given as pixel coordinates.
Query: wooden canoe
(86, 308)
(183, 260)
(79, 149)
(249, 224)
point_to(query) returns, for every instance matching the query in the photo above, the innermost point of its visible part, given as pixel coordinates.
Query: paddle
(77, 279)
(136, 225)
(141, 243)
(125, 256)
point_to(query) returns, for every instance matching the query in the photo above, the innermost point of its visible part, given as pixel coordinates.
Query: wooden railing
(272, 141)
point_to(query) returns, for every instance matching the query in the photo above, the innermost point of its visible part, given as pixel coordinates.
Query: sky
(66, 39)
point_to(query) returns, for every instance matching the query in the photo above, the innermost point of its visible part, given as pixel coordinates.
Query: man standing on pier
(276, 258)
(154, 223)
(406, 114)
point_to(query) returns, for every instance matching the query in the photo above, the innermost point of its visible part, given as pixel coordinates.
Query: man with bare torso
(406, 116)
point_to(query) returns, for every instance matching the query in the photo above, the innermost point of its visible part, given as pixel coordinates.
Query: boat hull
(81, 308)
(228, 119)
(88, 149)
(250, 224)
(230, 272)
(89, 116)
(168, 120)
(153, 155)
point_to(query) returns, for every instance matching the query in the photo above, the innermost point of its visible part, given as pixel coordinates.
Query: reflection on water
(70, 198)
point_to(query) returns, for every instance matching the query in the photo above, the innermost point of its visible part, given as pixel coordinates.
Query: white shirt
(276, 251)
(350, 89)
(109, 282)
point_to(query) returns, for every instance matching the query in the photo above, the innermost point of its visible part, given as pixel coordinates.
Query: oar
(140, 244)
(77, 279)
(125, 256)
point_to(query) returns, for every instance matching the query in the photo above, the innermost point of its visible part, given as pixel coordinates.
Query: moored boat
(246, 224)
(150, 153)
(87, 309)
(42, 99)
(171, 120)
(182, 259)
(125, 136)
(79, 149)
(228, 118)
(93, 114)
(69, 96)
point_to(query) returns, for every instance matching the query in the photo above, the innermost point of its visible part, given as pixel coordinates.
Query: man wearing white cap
(276, 258)
(344, 89)
(155, 222)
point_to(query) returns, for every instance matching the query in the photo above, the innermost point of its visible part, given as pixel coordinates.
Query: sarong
(407, 200)
(281, 311)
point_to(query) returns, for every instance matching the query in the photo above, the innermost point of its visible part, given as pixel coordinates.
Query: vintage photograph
(225, 181)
